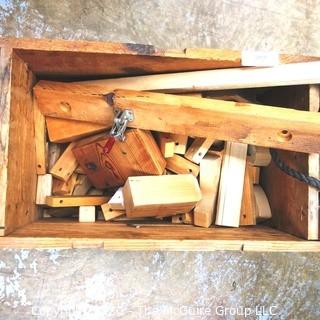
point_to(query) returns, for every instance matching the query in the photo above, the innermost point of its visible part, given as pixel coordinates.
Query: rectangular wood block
(66, 164)
(204, 211)
(160, 195)
(44, 188)
(198, 149)
(87, 214)
(166, 144)
(137, 155)
(231, 184)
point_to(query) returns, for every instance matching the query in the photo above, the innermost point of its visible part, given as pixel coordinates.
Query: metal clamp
(120, 122)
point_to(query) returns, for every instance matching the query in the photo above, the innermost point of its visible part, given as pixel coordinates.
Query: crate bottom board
(119, 236)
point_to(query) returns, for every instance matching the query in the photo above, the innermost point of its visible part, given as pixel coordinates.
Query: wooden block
(116, 202)
(64, 188)
(255, 172)
(259, 156)
(248, 205)
(54, 154)
(109, 213)
(180, 165)
(160, 195)
(263, 210)
(166, 144)
(71, 201)
(180, 141)
(40, 139)
(204, 211)
(65, 130)
(66, 164)
(137, 155)
(44, 188)
(198, 149)
(262, 125)
(87, 214)
(82, 186)
(231, 184)
(177, 219)
(74, 106)
(183, 218)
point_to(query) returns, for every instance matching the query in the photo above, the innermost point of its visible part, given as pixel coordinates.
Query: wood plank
(248, 205)
(54, 151)
(288, 197)
(64, 188)
(66, 164)
(259, 156)
(198, 149)
(263, 210)
(19, 160)
(231, 185)
(71, 201)
(64, 130)
(44, 188)
(137, 155)
(87, 214)
(82, 186)
(267, 126)
(207, 80)
(74, 106)
(109, 213)
(166, 144)
(180, 165)
(160, 195)
(116, 201)
(40, 136)
(204, 212)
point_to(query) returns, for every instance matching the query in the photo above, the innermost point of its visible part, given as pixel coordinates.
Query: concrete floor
(95, 284)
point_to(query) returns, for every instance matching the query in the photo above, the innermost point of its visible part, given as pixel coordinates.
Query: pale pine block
(44, 188)
(87, 214)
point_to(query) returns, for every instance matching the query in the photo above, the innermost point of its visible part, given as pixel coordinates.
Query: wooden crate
(23, 62)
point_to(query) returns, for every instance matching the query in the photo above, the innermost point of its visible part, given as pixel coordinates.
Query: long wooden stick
(232, 121)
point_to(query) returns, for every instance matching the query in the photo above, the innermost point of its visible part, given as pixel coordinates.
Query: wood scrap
(44, 188)
(137, 155)
(110, 213)
(180, 165)
(248, 204)
(66, 164)
(160, 195)
(180, 142)
(64, 188)
(259, 156)
(82, 186)
(210, 167)
(54, 154)
(255, 172)
(166, 144)
(231, 184)
(198, 149)
(71, 201)
(263, 210)
(87, 214)
(116, 201)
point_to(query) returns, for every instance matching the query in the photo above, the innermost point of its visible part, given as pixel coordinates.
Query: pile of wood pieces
(179, 162)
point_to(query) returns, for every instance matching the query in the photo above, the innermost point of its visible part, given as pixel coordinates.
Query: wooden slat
(180, 165)
(248, 205)
(255, 172)
(64, 130)
(231, 185)
(66, 164)
(71, 201)
(160, 195)
(204, 212)
(198, 149)
(232, 121)
(137, 155)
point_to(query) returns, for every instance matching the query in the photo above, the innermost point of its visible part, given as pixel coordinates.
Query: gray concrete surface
(94, 284)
